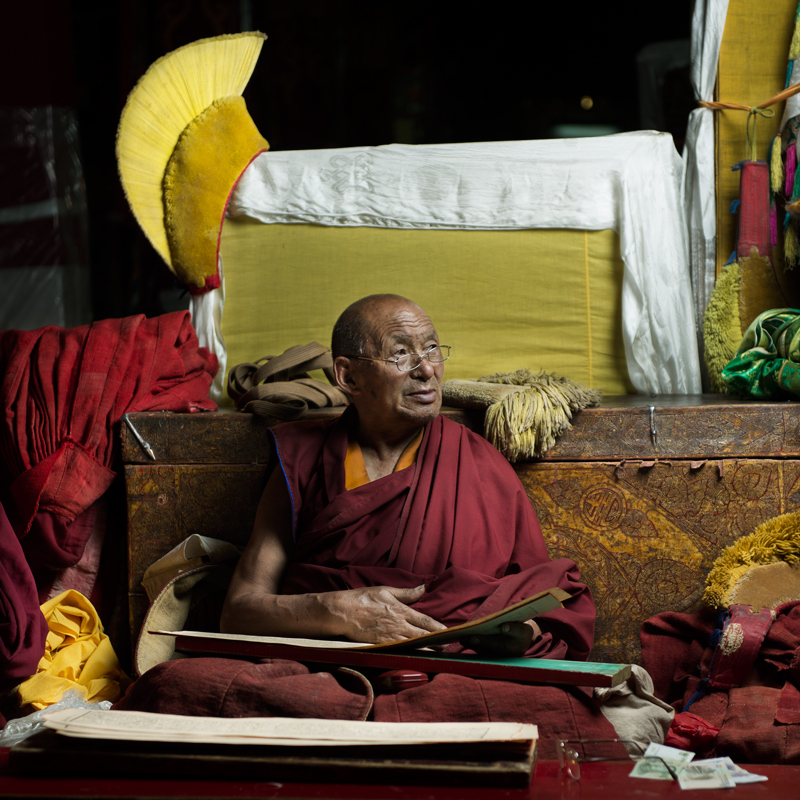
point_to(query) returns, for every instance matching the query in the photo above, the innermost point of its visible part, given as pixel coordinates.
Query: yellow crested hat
(184, 140)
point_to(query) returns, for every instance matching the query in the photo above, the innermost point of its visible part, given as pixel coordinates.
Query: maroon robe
(457, 520)
(460, 521)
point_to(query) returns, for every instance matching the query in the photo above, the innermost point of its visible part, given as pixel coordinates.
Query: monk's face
(386, 395)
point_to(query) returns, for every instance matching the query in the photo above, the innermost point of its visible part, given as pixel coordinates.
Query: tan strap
(279, 386)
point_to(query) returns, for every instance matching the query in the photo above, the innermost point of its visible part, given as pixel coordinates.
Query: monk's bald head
(354, 328)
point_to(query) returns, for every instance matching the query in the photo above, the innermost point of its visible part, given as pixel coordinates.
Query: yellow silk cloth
(78, 655)
(541, 299)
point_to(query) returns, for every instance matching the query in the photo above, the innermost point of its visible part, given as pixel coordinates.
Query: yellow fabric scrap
(78, 655)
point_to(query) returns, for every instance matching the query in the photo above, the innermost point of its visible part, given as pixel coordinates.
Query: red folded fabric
(23, 628)
(690, 732)
(63, 393)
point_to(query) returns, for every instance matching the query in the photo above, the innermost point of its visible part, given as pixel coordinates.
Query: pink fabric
(732, 666)
(791, 168)
(63, 393)
(23, 628)
(458, 520)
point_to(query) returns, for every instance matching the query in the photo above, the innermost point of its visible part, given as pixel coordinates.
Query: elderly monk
(394, 521)
(383, 524)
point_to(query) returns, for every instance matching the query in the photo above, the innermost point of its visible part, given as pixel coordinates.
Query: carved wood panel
(167, 503)
(645, 538)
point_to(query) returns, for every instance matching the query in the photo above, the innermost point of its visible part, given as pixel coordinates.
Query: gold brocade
(767, 364)
(78, 655)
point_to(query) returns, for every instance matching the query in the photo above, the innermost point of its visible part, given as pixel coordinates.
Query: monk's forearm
(300, 615)
(371, 614)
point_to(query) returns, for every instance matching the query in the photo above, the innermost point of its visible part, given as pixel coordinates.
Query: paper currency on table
(653, 766)
(704, 776)
(738, 774)
(671, 755)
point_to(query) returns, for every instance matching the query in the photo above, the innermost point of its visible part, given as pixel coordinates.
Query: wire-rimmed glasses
(436, 354)
(570, 761)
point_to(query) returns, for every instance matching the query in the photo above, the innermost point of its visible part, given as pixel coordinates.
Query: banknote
(701, 776)
(738, 774)
(670, 754)
(652, 768)
(661, 762)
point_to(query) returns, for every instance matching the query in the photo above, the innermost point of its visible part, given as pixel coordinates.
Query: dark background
(335, 73)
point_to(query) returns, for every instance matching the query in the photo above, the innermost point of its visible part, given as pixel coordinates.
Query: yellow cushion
(503, 299)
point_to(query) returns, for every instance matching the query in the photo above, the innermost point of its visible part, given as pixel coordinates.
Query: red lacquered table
(603, 781)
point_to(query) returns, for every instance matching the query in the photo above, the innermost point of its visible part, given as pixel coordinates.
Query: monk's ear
(344, 374)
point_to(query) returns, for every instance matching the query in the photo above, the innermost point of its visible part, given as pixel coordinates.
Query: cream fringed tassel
(776, 170)
(525, 412)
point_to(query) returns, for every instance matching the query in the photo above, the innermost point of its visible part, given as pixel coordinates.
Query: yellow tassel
(526, 422)
(776, 168)
(722, 325)
(790, 246)
(794, 47)
(777, 539)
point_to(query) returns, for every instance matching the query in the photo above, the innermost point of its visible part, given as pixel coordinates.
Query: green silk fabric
(767, 364)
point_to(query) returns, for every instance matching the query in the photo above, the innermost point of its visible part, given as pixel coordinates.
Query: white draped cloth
(699, 181)
(630, 183)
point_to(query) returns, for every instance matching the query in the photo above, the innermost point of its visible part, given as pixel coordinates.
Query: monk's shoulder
(479, 446)
(301, 436)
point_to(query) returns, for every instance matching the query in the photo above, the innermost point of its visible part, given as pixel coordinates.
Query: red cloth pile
(63, 393)
(759, 716)
(23, 628)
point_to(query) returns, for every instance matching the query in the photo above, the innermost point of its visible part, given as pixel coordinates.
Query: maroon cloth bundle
(759, 717)
(63, 393)
(227, 687)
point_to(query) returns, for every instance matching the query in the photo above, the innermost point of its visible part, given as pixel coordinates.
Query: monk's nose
(424, 369)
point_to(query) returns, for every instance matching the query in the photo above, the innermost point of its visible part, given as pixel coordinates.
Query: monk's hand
(378, 614)
(515, 639)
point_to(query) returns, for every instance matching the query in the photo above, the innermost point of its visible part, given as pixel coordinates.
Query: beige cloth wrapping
(634, 711)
